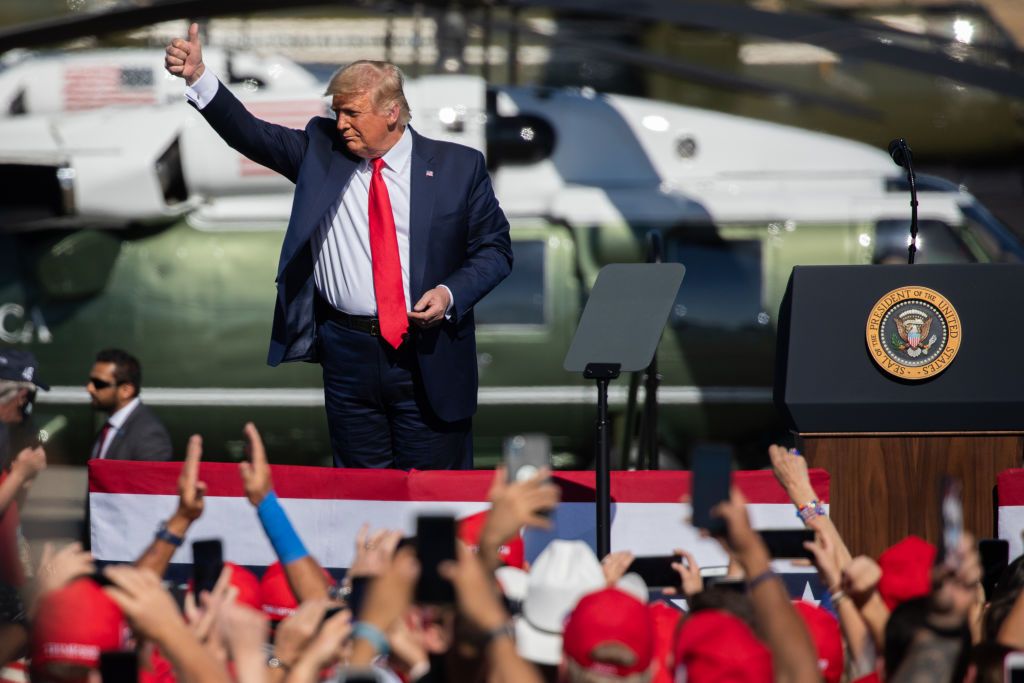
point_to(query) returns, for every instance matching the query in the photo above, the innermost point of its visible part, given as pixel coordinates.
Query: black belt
(360, 323)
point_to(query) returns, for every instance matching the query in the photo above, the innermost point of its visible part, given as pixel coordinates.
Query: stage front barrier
(128, 500)
(1010, 512)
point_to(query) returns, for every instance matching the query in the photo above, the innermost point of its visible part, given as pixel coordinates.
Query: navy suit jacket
(458, 237)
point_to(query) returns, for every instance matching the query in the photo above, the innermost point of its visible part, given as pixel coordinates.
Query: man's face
(105, 392)
(367, 132)
(10, 410)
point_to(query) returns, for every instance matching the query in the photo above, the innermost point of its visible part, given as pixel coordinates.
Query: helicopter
(134, 226)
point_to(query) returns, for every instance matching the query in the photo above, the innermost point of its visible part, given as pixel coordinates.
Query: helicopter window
(936, 243)
(519, 299)
(994, 237)
(722, 287)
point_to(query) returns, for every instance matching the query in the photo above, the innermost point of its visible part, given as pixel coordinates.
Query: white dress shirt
(116, 422)
(343, 263)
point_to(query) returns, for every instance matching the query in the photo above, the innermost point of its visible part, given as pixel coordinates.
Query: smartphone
(435, 543)
(119, 666)
(788, 543)
(712, 474)
(995, 556)
(657, 571)
(207, 564)
(1013, 668)
(725, 583)
(952, 509)
(100, 579)
(525, 454)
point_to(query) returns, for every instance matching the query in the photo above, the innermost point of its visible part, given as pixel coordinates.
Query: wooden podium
(887, 441)
(886, 486)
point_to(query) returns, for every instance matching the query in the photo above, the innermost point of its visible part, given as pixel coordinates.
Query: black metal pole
(604, 504)
(603, 373)
(912, 249)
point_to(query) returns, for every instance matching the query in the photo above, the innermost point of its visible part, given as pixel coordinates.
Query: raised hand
(256, 472)
(185, 58)
(689, 573)
(790, 470)
(59, 568)
(191, 491)
(28, 463)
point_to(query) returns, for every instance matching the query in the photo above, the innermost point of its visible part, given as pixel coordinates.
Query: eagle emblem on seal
(912, 326)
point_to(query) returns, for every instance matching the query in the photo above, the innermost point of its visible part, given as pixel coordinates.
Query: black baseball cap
(20, 366)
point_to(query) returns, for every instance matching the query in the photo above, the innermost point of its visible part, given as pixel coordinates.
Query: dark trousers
(377, 412)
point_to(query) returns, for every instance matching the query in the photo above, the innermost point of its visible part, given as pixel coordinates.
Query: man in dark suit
(131, 431)
(393, 238)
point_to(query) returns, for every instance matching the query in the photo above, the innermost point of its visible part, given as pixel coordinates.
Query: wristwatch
(164, 535)
(275, 662)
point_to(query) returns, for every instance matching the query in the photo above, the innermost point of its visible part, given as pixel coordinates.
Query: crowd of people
(906, 616)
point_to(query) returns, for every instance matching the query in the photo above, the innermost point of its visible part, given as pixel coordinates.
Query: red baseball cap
(511, 552)
(606, 617)
(247, 584)
(906, 570)
(665, 619)
(716, 646)
(828, 641)
(74, 624)
(276, 597)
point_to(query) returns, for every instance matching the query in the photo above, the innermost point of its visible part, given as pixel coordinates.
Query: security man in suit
(392, 240)
(131, 431)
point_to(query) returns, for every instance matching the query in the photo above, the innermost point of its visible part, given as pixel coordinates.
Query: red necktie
(102, 440)
(387, 268)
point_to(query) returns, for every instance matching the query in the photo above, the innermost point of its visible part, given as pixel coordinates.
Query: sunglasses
(100, 384)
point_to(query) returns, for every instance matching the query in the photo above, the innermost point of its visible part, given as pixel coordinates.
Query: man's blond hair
(383, 81)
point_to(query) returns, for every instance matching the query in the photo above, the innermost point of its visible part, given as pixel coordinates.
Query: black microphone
(899, 150)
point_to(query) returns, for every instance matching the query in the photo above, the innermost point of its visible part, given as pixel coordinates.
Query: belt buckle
(374, 327)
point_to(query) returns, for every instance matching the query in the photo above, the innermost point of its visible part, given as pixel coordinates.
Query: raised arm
(191, 494)
(305, 575)
(26, 466)
(279, 148)
(794, 658)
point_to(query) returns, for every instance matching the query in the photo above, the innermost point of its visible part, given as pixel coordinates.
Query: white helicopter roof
(45, 83)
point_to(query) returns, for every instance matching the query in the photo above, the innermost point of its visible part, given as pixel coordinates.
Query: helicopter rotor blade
(696, 73)
(849, 38)
(852, 39)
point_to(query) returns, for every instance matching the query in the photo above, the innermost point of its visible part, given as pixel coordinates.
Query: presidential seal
(913, 333)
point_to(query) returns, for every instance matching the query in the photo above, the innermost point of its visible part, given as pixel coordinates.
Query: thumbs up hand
(185, 58)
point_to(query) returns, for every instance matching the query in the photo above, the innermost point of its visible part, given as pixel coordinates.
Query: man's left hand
(429, 310)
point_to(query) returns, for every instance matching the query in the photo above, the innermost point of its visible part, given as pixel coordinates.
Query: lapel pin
(430, 174)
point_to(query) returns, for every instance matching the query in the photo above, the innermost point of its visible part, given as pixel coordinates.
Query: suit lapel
(308, 217)
(422, 191)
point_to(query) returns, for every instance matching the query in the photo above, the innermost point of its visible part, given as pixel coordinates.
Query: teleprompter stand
(619, 332)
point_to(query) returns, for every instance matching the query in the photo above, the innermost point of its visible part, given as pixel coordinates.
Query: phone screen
(952, 522)
(119, 666)
(435, 543)
(725, 583)
(712, 474)
(525, 454)
(788, 543)
(207, 564)
(657, 571)
(995, 555)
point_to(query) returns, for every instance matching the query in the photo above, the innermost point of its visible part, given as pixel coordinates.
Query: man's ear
(127, 391)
